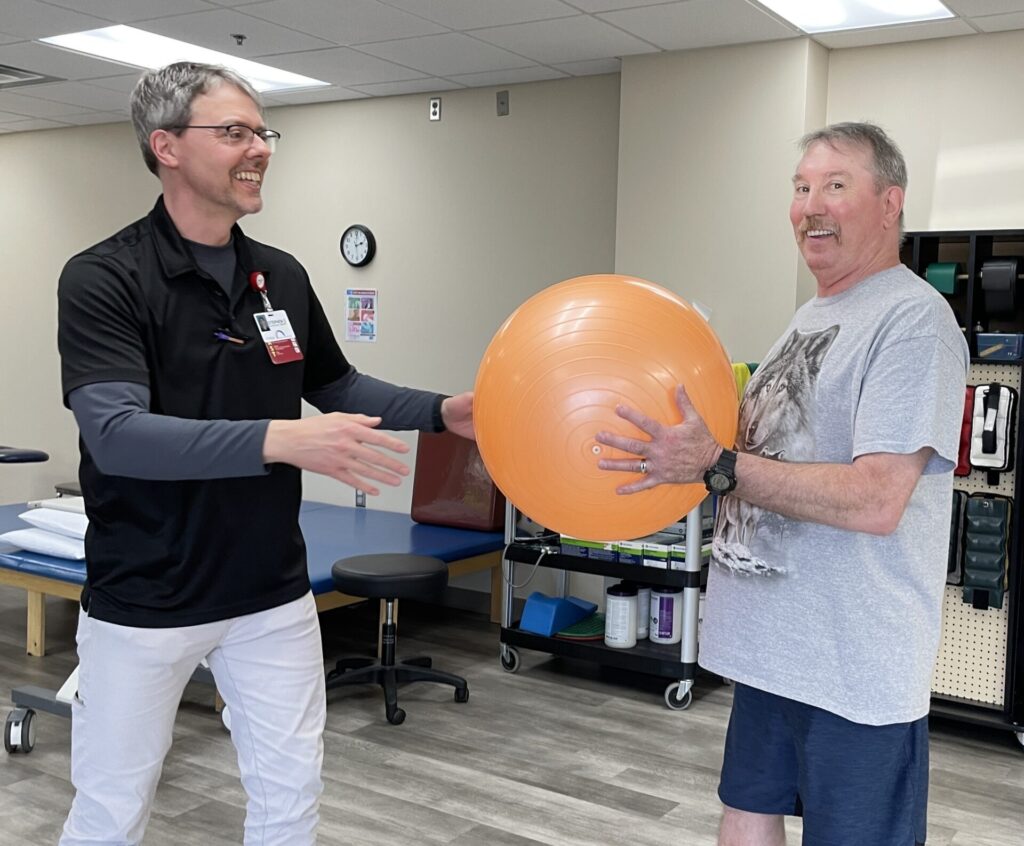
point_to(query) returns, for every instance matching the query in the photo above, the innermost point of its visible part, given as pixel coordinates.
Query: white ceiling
(369, 48)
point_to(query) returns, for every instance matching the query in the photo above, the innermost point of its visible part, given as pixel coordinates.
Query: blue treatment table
(331, 532)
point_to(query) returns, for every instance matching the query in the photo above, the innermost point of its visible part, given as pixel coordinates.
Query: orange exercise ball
(551, 379)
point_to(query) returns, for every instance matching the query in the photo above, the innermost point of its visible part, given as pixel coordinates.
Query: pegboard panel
(972, 655)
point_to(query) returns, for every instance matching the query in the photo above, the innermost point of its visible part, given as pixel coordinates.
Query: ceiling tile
(81, 95)
(594, 66)
(31, 19)
(89, 118)
(473, 14)
(26, 106)
(7, 39)
(536, 73)
(351, 22)
(214, 29)
(999, 23)
(565, 40)
(700, 23)
(445, 55)
(970, 8)
(608, 5)
(413, 86)
(25, 125)
(6, 117)
(124, 83)
(894, 34)
(313, 95)
(53, 61)
(342, 66)
(119, 11)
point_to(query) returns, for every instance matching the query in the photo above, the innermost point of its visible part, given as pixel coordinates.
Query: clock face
(358, 245)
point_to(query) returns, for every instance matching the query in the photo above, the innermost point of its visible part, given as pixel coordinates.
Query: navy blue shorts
(854, 785)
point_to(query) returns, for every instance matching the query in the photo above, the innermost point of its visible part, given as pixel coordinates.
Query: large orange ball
(551, 379)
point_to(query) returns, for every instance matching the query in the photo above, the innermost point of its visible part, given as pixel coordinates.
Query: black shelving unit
(972, 249)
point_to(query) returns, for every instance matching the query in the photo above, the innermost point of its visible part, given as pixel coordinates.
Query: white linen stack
(58, 528)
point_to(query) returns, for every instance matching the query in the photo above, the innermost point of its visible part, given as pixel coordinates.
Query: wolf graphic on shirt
(775, 422)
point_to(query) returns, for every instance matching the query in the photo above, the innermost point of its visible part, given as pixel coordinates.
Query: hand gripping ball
(551, 379)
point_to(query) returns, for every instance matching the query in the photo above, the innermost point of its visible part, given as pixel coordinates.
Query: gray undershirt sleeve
(126, 439)
(399, 408)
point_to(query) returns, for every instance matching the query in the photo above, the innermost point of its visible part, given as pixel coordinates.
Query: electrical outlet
(360, 498)
(435, 108)
(502, 99)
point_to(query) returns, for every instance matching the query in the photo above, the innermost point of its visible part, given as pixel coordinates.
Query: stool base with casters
(391, 577)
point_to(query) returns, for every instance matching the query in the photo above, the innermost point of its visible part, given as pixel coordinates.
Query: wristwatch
(720, 477)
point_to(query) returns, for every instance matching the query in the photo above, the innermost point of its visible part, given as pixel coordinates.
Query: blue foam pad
(546, 615)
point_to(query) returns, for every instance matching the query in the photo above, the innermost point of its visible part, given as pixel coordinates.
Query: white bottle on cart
(643, 609)
(620, 616)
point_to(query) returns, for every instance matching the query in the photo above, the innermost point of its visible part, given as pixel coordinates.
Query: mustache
(818, 223)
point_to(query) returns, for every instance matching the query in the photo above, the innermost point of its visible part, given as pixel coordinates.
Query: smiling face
(209, 176)
(845, 227)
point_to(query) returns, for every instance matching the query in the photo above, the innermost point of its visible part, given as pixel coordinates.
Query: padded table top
(331, 532)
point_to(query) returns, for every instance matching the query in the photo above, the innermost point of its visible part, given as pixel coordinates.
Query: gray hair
(163, 98)
(887, 162)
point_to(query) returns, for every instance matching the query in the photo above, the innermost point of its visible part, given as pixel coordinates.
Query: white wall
(62, 191)
(951, 107)
(706, 152)
(472, 216)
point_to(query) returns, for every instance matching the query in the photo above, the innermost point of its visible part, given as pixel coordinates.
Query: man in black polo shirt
(186, 349)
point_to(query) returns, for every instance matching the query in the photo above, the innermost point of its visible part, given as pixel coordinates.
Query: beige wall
(951, 105)
(62, 190)
(706, 151)
(472, 215)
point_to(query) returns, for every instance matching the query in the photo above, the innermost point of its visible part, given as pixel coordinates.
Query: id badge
(277, 333)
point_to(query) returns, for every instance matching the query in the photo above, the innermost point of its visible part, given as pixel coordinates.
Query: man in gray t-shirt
(824, 601)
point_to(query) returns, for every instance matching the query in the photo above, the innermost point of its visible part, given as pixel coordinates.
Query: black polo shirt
(136, 308)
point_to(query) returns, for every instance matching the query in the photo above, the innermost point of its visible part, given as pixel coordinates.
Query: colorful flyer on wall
(361, 315)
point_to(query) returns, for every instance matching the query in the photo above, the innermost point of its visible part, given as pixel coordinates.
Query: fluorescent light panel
(141, 49)
(833, 15)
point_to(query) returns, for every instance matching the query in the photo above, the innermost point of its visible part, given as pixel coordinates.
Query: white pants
(269, 671)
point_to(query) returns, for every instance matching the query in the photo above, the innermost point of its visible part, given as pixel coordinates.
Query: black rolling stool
(390, 577)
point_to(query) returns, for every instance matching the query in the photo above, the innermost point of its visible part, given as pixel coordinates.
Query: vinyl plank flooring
(560, 754)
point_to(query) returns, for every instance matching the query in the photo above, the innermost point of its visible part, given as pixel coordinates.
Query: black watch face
(719, 482)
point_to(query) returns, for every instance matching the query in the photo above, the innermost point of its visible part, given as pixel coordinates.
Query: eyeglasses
(239, 134)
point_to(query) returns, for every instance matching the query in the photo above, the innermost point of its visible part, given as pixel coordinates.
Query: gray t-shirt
(842, 620)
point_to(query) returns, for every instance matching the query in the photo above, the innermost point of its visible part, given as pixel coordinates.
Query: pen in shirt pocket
(229, 336)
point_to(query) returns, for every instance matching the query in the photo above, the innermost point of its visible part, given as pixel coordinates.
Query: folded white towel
(62, 522)
(46, 543)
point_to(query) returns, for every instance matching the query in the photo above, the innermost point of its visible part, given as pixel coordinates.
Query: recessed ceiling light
(831, 15)
(141, 49)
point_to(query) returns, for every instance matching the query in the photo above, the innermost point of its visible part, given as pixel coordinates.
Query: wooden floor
(557, 754)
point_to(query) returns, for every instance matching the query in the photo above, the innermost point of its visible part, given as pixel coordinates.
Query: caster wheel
(1020, 737)
(510, 660)
(462, 694)
(672, 699)
(225, 717)
(20, 731)
(397, 718)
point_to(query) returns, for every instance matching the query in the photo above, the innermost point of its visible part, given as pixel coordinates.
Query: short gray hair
(887, 162)
(163, 98)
